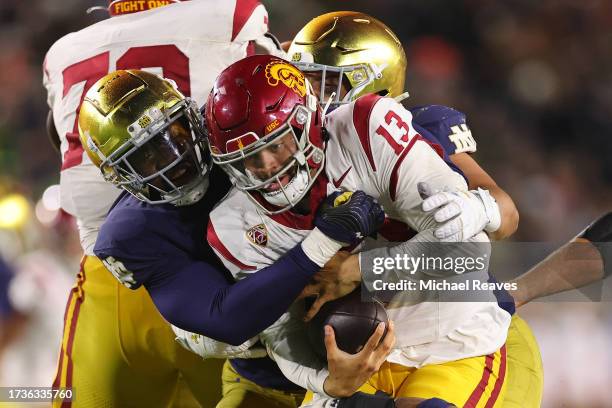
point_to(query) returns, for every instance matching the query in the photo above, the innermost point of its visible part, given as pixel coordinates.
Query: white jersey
(373, 148)
(188, 42)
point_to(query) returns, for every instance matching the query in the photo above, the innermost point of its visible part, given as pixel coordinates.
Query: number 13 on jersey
(395, 131)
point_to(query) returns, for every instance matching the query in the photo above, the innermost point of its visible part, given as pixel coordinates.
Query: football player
(130, 364)
(147, 138)
(353, 54)
(267, 132)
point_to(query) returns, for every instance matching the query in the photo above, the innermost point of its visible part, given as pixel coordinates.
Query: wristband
(319, 248)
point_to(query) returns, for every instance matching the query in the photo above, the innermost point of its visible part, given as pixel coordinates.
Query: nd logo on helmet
(280, 71)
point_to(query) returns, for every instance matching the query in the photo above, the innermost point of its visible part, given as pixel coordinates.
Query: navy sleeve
(435, 144)
(164, 249)
(447, 125)
(129, 249)
(199, 298)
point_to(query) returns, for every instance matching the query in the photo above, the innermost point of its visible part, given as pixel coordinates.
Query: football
(353, 320)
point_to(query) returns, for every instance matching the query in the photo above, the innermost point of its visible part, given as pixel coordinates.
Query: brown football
(353, 320)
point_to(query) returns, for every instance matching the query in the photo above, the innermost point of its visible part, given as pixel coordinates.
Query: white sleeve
(306, 377)
(256, 29)
(254, 25)
(206, 347)
(403, 158)
(287, 343)
(48, 83)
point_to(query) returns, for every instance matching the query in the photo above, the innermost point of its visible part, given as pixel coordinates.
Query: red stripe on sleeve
(361, 119)
(395, 172)
(243, 11)
(215, 242)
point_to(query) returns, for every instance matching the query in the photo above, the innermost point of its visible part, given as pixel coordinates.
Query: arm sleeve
(201, 299)
(46, 79)
(399, 170)
(288, 345)
(448, 126)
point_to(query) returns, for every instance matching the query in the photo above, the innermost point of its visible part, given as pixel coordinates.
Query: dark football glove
(349, 217)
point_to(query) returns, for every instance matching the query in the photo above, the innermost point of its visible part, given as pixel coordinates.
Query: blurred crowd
(534, 78)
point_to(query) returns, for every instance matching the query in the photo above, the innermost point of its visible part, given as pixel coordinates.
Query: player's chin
(183, 174)
(282, 181)
(276, 186)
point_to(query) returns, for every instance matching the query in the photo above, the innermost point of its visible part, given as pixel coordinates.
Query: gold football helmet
(146, 137)
(363, 53)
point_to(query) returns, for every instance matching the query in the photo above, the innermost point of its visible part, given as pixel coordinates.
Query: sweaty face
(164, 149)
(269, 161)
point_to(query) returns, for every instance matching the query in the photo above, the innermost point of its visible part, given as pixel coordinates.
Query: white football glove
(208, 348)
(462, 214)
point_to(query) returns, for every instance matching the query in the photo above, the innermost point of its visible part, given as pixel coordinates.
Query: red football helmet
(258, 106)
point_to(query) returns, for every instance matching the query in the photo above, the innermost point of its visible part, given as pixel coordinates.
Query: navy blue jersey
(433, 140)
(447, 125)
(164, 248)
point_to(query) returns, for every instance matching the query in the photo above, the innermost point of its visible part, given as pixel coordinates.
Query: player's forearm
(306, 377)
(572, 266)
(508, 211)
(287, 343)
(478, 177)
(200, 302)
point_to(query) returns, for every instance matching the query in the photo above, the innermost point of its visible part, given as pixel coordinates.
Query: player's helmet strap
(120, 7)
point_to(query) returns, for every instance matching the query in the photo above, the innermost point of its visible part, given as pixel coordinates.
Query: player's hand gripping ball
(354, 321)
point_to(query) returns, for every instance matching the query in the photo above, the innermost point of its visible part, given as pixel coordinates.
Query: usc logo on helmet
(272, 125)
(280, 71)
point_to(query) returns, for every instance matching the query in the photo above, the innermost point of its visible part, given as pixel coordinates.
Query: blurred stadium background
(535, 79)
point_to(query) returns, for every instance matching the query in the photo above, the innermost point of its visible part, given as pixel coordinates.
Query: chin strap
(399, 98)
(326, 107)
